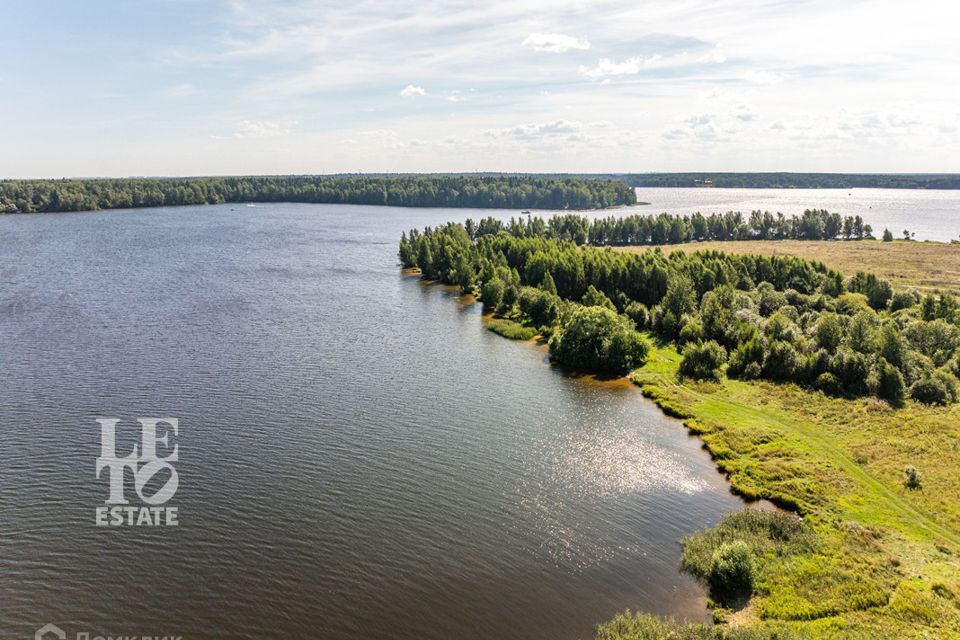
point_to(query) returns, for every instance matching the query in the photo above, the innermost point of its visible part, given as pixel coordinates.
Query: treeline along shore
(484, 192)
(665, 228)
(782, 180)
(778, 318)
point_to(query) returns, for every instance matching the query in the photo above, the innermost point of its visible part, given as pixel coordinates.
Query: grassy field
(924, 265)
(888, 560)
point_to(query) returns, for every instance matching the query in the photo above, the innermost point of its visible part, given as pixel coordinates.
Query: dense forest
(516, 192)
(747, 316)
(794, 180)
(813, 224)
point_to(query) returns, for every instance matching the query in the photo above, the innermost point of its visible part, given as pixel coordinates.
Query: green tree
(702, 360)
(891, 386)
(492, 293)
(597, 338)
(595, 298)
(548, 284)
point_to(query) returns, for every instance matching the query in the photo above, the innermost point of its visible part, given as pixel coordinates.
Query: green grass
(887, 558)
(510, 329)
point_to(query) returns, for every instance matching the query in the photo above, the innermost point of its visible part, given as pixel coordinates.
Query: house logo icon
(49, 632)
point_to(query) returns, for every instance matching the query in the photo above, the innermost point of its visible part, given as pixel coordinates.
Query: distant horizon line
(494, 173)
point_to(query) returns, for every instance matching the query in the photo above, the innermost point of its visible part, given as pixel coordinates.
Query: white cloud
(716, 58)
(554, 128)
(260, 129)
(744, 113)
(763, 77)
(630, 66)
(554, 42)
(181, 90)
(273, 62)
(412, 90)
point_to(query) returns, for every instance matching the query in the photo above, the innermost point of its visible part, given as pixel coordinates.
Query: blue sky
(184, 87)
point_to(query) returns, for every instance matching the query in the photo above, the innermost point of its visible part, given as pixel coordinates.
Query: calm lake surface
(359, 457)
(932, 215)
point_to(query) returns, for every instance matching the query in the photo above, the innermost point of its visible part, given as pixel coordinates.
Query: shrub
(548, 284)
(828, 332)
(890, 383)
(828, 383)
(692, 331)
(702, 360)
(770, 299)
(510, 296)
(913, 479)
(878, 291)
(813, 364)
(752, 371)
(598, 339)
(929, 390)
(851, 303)
(595, 298)
(746, 361)
(541, 307)
(492, 293)
(638, 312)
(861, 335)
(731, 571)
(892, 345)
(936, 339)
(851, 369)
(781, 361)
(903, 300)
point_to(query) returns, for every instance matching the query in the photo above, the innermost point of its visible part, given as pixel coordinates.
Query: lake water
(932, 215)
(358, 457)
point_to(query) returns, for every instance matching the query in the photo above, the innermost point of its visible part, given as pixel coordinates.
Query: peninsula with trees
(833, 395)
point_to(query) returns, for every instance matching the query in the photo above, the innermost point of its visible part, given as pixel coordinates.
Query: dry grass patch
(924, 265)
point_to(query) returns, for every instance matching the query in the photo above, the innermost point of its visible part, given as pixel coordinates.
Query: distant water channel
(930, 214)
(358, 457)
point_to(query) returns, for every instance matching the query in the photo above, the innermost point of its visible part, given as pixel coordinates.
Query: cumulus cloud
(259, 129)
(705, 128)
(744, 113)
(181, 90)
(554, 42)
(412, 90)
(763, 77)
(716, 58)
(528, 131)
(607, 67)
